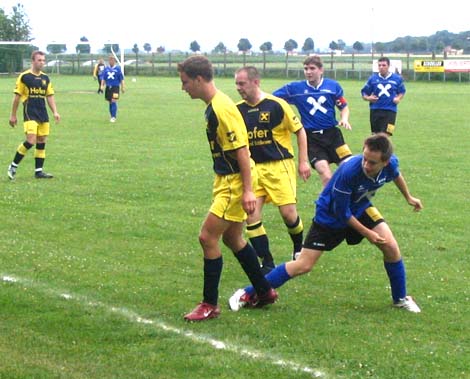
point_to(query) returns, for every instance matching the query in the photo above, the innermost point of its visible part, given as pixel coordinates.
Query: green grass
(106, 256)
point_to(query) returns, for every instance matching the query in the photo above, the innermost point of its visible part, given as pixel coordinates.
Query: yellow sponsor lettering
(257, 133)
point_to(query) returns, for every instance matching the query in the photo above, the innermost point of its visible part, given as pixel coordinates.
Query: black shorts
(382, 120)
(327, 144)
(111, 93)
(322, 238)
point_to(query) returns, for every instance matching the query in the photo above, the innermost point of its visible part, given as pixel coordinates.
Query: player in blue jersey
(233, 195)
(271, 122)
(316, 99)
(33, 88)
(344, 212)
(113, 80)
(384, 91)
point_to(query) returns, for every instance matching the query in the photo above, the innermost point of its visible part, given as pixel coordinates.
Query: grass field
(99, 264)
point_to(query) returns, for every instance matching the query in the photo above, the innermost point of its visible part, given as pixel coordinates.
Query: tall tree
(265, 48)
(308, 46)
(290, 46)
(56, 48)
(244, 46)
(20, 24)
(147, 47)
(194, 47)
(107, 48)
(220, 48)
(83, 47)
(14, 27)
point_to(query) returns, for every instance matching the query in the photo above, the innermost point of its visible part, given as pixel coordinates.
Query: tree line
(15, 27)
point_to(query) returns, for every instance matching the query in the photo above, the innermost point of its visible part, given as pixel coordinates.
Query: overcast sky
(175, 24)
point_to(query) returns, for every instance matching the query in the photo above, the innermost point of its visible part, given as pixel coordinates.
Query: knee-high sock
(21, 151)
(212, 274)
(113, 109)
(397, 276)
(296, 234)
(249, 262)
(40, 156)
(259, 240)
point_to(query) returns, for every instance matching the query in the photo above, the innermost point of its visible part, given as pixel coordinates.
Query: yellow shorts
(38, 128)
(227, 196)
(277, 181)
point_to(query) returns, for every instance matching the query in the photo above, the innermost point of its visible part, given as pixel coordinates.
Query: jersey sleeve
(20, 87)
(232, 132)
(283, 93)
(291, 120)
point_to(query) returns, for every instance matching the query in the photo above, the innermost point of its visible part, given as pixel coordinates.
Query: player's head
(315, 60)
(384, 65)
(197, 65)
(112, 60)
(195, 73)
(38, 60)
(313, 69)
(376, 153)
(247, 81)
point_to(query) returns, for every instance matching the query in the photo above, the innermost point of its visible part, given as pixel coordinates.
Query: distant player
(98, 73)
(113, 81)
(344, 212)
(316, 100)
(33, 88)
(384, 91)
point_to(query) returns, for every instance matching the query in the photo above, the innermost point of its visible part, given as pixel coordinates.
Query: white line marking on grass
(134, 317)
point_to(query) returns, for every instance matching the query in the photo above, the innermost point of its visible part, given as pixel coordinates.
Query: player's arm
(371, 236)
(53, 107)
(248, 199)
(398, 98)
(14, 109)
(344, 121)
(123, 86)
(303, 165)
(403, 187)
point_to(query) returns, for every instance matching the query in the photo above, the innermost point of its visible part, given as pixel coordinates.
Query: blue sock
(276, 278)
(113, 109)
(396, 274)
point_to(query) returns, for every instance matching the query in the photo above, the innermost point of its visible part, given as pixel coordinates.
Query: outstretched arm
(403, 187)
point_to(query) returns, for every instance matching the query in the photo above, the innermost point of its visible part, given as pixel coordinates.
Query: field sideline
(98, 265)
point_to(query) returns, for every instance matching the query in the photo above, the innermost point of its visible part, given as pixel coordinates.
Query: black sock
(212, 273)
(296, 234)
(260, 242)
(249, 262)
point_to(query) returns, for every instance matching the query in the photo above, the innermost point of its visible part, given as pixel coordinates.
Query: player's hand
(13, 121)
(373, 98)
(57, 117)
(375, 238)
(415, 203)
(249, 202)
(304, 171)
(345, 124)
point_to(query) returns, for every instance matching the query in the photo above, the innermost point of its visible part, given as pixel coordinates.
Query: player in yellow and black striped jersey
(270, 123)
(233, 196)
(33, 88)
